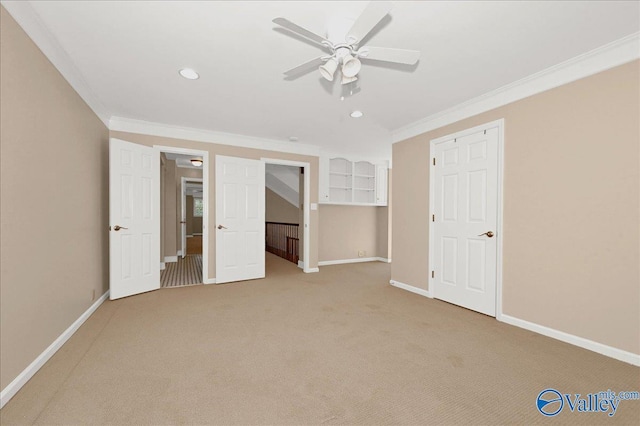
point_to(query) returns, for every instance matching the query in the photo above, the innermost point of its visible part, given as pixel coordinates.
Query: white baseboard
(356, 260)
(17, 383)
(300, 264)
(600, 348)
(170, 259)
(311, 270)
(209, 280)
(412, 289)
(179, 253)
(383, 259)
(163, 266)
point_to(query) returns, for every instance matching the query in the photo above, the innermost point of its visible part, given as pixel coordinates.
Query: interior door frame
(183, 210)
(306, 206)
(499, 228)
(205, 201)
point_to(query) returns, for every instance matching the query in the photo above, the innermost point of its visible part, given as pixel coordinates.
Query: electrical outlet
(362, 253)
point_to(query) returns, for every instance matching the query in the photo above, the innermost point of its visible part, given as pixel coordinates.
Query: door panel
(240, 219)
(465, 206)
(134, 205)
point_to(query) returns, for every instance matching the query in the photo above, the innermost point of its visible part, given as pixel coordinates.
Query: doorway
(191, 215)
(284, 195)
(185, 195)
(303, 231)
(465, 227)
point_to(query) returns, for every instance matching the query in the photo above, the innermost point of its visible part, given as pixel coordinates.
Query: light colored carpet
(338, 347)
(187, 271)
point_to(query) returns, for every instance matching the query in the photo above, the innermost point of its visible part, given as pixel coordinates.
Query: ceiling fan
(343, 41)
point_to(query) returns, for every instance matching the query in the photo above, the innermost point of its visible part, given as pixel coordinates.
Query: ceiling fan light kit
(343, 45)
(350, 66)
(347, 80)
(328, 69)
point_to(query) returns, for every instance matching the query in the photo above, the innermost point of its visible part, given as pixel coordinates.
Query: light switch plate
(314, 206)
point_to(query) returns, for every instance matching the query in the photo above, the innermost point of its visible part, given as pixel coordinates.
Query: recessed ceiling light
(357, 114)
(293, 139)
(189, 74)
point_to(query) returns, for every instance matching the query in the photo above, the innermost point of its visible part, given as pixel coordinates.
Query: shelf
(347, 182)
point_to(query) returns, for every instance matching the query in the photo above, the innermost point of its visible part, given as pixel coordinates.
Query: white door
(465, 186)
(240, 224)
(134, 207)
(183, 217)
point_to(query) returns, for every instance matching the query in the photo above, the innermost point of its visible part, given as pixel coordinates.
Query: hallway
(184, 272)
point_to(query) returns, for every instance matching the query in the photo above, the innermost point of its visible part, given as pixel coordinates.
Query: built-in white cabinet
(344, 181)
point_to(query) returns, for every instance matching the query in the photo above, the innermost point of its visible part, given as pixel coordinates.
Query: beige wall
(194, 224)
(344, 230)
(189, 213)
(180, 173)
(234, 151)
(571, 207)
(277, 209)
(170, 213)
(383, 225)
(163, 170)
(54, 239)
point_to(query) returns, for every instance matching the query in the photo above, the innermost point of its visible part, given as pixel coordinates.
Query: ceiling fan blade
(283, 22)
(307, 66)
(387, 54)
(372, 14)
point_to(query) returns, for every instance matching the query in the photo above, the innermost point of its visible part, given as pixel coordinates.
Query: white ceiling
(183, 160)
(194, 189)
(128, 55)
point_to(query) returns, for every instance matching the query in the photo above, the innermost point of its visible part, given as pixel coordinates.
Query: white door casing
(240, 219)
(205, 198)
(134, 217)
(183, 217)
(183, 212)
(465, 225)
(306, 207)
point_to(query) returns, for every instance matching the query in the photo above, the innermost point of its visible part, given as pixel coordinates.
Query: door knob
(118, 227)
(222, 227)
(488, 234)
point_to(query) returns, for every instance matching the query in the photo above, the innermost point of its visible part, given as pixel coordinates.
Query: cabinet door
(323, 170)
(381, 185)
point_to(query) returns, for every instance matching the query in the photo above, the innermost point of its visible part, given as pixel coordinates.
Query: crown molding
(44, 39)
(209, 136)
(601, 59)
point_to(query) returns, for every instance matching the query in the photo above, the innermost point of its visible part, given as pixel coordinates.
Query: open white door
(240, 219)
(183, 217)
(465, 218)
(134, 217)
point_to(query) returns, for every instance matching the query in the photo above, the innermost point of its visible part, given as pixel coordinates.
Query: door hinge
(433, 218)
(434, 161)
(433, 274)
